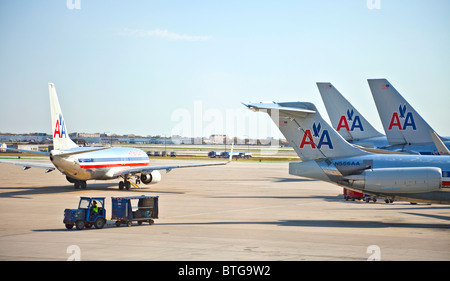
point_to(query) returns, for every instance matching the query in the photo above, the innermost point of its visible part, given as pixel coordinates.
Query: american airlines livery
(327, 156)
(406, 131)
(404, 127)
(80, 164)
(347, 120)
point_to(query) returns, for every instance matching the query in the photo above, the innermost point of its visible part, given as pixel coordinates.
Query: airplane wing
(148, 169)
(27, 165)
(4, 149)
(168, 168)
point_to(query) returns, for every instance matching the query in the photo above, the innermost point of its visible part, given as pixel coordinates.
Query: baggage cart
(141, 209)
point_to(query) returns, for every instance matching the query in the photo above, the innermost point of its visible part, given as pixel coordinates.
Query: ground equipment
(91, 212)
(124, 212)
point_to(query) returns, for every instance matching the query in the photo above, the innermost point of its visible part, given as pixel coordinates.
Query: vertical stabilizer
(345, 119)
(402, 124)
(307, 132)
(61, 139)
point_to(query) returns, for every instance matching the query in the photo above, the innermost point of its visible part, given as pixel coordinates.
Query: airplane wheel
(83, 184)
(121, 185)
(127, 185)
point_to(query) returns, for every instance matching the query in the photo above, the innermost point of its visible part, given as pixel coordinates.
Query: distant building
(218, 139)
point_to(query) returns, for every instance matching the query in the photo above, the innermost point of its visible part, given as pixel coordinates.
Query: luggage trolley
(124, 212)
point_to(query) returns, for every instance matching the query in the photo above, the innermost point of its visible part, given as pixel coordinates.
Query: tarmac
(244, 211)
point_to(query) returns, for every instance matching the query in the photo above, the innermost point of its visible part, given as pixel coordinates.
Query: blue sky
(129, 67)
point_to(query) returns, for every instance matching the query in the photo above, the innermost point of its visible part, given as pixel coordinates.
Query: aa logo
(354, 120)
(322, 135)
(402, 119)
(60, 128)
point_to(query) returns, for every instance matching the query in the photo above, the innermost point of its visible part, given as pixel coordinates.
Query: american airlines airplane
(415, 137)
(327, 156)
(80, 164)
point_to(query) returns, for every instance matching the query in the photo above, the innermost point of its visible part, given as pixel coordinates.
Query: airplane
(80, 164)
(405, 129)
(327, 156)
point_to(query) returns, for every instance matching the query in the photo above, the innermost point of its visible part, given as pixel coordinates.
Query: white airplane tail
(61, 139)
(307, 132)
(345, 119)
(402, 124)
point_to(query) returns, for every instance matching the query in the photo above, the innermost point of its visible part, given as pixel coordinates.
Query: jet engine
(151, 178)
(398, 180)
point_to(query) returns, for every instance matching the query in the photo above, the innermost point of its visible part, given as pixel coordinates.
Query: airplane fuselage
(98, 165)
(338, 170)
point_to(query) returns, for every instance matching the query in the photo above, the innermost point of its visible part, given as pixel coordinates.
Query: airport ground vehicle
(245, 155)
(145, 211)
(91, 212)
(355, 195)
(352, 195)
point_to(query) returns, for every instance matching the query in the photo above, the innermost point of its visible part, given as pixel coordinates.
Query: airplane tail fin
(307, 132)
(402, 124)
(345, 119)
(61, 139)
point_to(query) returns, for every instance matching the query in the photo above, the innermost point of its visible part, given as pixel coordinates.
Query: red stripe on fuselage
(97, 166)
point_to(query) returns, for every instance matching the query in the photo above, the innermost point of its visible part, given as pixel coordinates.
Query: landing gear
(124, 184)
(78, 184)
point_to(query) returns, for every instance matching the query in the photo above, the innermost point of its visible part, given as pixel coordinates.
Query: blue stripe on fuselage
(111, 159)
